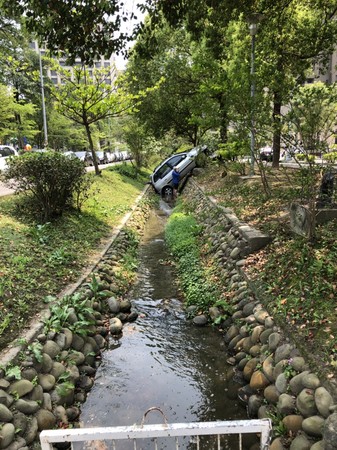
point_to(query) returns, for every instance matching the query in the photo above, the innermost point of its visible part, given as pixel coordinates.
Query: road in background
(5, 190)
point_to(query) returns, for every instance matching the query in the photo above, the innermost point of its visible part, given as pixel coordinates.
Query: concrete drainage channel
(275, 381)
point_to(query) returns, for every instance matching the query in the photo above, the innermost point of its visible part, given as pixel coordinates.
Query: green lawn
(37, 260)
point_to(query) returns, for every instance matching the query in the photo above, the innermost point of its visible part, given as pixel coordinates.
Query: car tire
(167, 193)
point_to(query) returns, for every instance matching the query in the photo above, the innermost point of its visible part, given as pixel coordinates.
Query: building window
(54, 80)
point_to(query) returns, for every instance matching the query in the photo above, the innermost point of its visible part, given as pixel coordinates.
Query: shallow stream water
(162, 360)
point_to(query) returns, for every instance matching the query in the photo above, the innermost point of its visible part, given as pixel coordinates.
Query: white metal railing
(134, 434)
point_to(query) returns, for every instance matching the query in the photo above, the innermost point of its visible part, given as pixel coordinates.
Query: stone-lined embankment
(277, 382)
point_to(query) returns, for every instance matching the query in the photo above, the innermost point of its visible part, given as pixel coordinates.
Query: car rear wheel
(167, 193)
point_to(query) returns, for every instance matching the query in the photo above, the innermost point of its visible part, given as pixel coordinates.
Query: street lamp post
(252, 31)
(43, 104)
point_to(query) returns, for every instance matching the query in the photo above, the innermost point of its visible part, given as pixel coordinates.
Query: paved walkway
(5, 190)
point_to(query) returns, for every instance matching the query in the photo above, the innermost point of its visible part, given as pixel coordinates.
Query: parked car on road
(102, 157)
(161, 178)
(266, 153)
(85, 157)
(6, 151)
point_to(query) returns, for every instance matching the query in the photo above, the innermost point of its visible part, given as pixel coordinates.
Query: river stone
(235, 253)
(73, 413)
(296, 383)
(115, 326)
(268, 367)
(276, 445)
(60, 414)
(271, 394)
(256, 333)
(132, 316)
(274, 341)
(36, 394)
(45, 420)
(21, 388)
(234, 341)
(7, 434)
(26, 406)
(5, 399)
(4, 383)
(239, 356)
(57, 370)
(100, 341)
(330, 432)
(63, 394)
(305, 403)
(242, 363)
(29, 373)
(324, 401)
(20, 422)
(237, 315)
(76, 358)
(265, 412)
(113, 305)
(61, 340)
(311, 381)
(69, 338)
(31, 431)
(249, 368)
(258, 380)
(78, 342)
(85, 383)
(286, 404)
(248, 309)
(300, 442)
(87, 370)
(250, 320)
(5, 414)
(298, 363)
(247, 344)
(313, 426)
(214, 313)
(93, 344)
(200, 320)
(318, 446)
(264, 336)
(283, 352)
(47, 381)
(74, 373)
(125, 305)
(46, 364)
(279, 368)
(51, 349)
(47, 404)
(72, 317)
(255, 350)
(292, 423)
(281, 383)
(269, 322)
(254, 403)
(261, 316)
(18, 444)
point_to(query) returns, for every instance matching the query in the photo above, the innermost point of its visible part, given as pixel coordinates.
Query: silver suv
(161, 178)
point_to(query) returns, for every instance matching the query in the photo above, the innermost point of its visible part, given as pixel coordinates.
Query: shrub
(331, 157)
(51, 181)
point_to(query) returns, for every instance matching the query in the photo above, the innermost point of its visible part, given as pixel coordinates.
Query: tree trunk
(223, 119)
(91, 145)
(277, 129)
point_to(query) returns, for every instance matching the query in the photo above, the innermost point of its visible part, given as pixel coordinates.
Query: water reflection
(161, 360)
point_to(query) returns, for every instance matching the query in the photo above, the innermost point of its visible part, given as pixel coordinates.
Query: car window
(6, 151)
(162, 172)
(176, 160)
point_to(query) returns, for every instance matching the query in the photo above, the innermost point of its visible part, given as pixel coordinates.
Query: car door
(163, 174)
